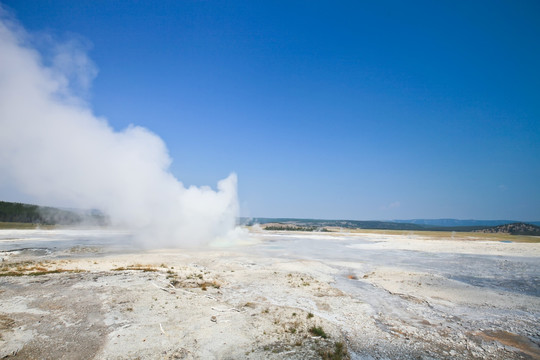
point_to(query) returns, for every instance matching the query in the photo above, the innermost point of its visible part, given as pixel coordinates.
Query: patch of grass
(37, 268)
(204, 286)
(27, 268)
(338, 353)
(309, 315)
(139, 267)
(17, 225)
(318, 331)
(453, 235)
(37, 273)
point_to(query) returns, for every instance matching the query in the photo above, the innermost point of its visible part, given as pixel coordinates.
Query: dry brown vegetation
(454, 235)
(29, 268)
(136, 267)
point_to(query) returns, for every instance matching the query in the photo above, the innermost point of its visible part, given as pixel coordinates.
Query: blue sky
(351, 110)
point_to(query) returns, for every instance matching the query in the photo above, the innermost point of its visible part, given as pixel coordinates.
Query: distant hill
(514, 229)
(34, 214)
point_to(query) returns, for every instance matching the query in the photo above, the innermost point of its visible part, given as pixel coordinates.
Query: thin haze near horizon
(354, 110)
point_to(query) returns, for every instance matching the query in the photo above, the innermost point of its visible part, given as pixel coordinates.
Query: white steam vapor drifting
(55, 150)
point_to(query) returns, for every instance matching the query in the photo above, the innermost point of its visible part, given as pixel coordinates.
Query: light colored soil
(236, 304)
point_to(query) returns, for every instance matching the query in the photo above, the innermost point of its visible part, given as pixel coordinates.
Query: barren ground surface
(72, 295)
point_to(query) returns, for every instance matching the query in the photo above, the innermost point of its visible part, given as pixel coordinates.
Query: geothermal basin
(94, 294)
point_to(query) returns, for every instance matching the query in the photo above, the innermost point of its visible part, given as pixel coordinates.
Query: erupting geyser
(55, 150)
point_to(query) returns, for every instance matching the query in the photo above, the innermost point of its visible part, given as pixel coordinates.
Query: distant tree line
(307, 224)
(294, 228)
(514, 229)
(26, 213)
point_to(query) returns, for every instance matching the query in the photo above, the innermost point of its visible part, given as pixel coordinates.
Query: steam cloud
(55, 150)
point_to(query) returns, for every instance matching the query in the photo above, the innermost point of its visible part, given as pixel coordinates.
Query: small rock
(213, 318)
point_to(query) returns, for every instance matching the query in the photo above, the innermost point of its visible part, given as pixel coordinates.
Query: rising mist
(55, 150)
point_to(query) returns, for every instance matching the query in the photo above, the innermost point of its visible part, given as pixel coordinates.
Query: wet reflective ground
(515, 274)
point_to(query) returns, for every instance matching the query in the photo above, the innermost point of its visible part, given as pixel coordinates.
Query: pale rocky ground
(381, 296)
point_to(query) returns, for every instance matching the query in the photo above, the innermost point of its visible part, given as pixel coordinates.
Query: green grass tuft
(318, 331)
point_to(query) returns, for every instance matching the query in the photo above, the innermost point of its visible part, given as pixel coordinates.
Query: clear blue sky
(350, 109)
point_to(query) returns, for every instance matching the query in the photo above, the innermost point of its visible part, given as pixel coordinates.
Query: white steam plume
(55, 150)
